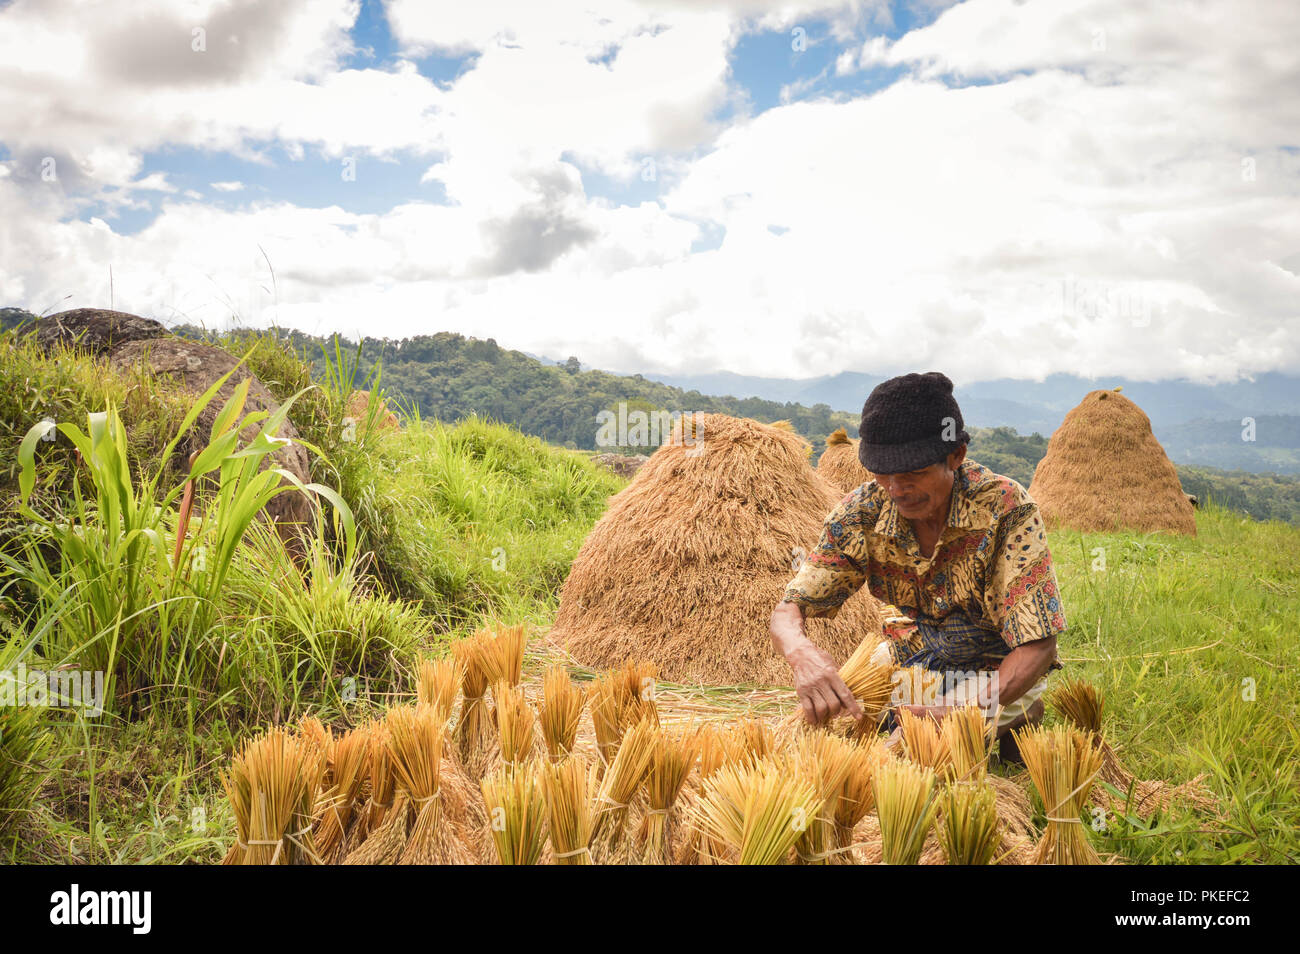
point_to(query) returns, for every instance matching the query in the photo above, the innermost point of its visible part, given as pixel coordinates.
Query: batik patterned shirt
(991, 564)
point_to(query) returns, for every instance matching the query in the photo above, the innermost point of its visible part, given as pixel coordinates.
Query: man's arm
(822, 693)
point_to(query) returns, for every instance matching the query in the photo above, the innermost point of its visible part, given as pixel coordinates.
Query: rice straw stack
(758, 811)
(906, 806)
(968, 823)
(672, 756)
(569, 786)
(272, 787)
(562, 704)
(1063, 763)
(516, 811)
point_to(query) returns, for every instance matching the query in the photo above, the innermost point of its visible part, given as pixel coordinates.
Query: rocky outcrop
(94, 330)
(197, 367)
(625, 465)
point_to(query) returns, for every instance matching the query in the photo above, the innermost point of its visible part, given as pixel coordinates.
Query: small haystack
(358, 408)
(840, 466)
(1105, 470)
(684, 568)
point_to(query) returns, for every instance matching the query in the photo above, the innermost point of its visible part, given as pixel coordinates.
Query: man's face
(924, 494)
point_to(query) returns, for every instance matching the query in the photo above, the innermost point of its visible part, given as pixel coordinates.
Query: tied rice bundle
(515, 721)
(382, 781)
(348, 766)
(474, 730)
(416, 738)
(570, 789)
(967, 734)
(968, 825)
(757, 811)
(906, 806)
(924, 743)
(1063, 763)
(872, 684)
(619, 699)
(562, 704)
(619, 784)
(671, 760)
(824, 761)
(272, 787)
(517, 813)
(502, 654)
(712, 748)
(437, 684)
(857, 796)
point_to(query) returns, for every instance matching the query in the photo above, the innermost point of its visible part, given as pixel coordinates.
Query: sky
(990, 188)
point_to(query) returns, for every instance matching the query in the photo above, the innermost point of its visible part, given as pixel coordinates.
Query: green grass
(1177, 632)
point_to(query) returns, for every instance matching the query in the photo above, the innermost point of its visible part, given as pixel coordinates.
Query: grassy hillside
(1192, 640)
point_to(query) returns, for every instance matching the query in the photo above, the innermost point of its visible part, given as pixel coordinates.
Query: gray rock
(96, 330)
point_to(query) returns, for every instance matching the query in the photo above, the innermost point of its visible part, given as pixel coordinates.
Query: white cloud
(227, 186)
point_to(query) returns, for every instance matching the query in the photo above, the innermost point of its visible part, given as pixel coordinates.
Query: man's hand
(822, 692)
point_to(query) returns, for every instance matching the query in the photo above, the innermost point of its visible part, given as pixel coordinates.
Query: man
(956, 552)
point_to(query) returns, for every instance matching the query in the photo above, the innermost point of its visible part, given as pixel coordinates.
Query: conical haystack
(1105, 470)
(839, 465)
(684, 568)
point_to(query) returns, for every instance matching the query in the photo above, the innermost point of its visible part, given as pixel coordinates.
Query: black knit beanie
(905, 421)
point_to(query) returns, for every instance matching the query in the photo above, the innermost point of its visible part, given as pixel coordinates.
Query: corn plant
(121, 587)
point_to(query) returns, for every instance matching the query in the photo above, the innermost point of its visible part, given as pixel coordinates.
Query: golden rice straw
(562, 704)
(671, 758)
(618, 699)
(516, 813)
(416, 738)
(502, 654)
(569, 786)
(437, 684)
(968, 824)
(1083, 704)
(923, 742)
(967, 735)
(698, 848)
(272, 786)
(906, 806)
(515, 723)
(349, 765)
(872, 684)
(1063, 763)
(474, 733)
(382, 781)
(758, 811)
(857, 797)
(824, 761)
(618, 787)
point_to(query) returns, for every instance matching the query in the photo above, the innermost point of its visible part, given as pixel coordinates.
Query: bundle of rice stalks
(1104, 470)
(348, 766)
(619, 699)
(515, 723)
(570, 789)
(416, 736)
(562, 704)
(905, 805)
(747, 741)
(501, 654)
(660, 576)
(872, 684)
(967, 736)
(437, 684)
(272, 787)
(968, 824)
(1063, 763)
(382, 780)
(924, 743)
(759, 812)
(474, 735)
(517, 813)
(672, 757)
(1083, 704)
(618, 786)
(840, 465)
(824, 761)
